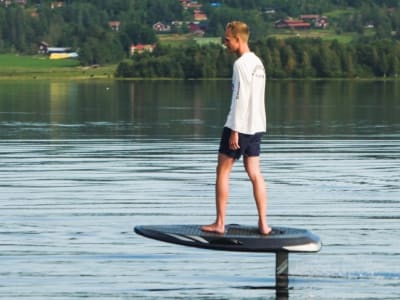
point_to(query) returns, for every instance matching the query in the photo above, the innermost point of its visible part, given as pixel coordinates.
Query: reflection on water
(81, 163)
(196, 108)
(337, 108)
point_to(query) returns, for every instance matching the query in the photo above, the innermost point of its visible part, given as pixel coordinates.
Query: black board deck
(236, 238)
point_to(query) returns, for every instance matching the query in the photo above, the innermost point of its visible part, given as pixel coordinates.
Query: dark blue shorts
(249, 144)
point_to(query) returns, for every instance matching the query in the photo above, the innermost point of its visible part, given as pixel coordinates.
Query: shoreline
(69, 73)
(25, 67)
(108, 73)
(99, 74)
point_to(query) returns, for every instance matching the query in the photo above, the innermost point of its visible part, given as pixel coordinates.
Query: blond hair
(238, 28)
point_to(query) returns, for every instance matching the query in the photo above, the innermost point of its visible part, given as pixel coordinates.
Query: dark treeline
(303, 58)
(179, 62)
(294, 58)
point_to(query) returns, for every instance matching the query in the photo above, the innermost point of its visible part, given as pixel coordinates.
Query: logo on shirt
(259, 72)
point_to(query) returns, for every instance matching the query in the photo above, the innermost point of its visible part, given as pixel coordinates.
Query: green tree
(288, 60)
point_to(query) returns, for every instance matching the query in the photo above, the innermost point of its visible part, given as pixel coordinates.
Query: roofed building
(293, 24)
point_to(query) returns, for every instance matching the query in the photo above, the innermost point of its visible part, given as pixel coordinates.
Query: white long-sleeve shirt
(247, 113)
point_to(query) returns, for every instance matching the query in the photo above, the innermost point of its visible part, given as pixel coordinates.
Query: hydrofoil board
(235, 238)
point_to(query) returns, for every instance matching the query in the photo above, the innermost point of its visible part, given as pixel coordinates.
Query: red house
(140, 48)
(293, 24)
(198, 15)
(317, 20)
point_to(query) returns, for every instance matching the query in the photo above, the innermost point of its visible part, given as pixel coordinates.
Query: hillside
(103, 31)
(106, 32)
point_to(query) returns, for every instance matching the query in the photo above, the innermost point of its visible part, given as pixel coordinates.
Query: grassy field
(176, 40)
(208, 40)
(21, 66)
(334, 14)
(327, 35)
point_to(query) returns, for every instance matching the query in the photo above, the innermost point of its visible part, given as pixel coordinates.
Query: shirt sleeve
(235, 105)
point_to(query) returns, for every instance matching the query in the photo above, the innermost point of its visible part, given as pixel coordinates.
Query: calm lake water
(82, 162)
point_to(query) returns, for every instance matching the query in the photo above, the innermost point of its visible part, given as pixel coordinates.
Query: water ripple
(68, 207)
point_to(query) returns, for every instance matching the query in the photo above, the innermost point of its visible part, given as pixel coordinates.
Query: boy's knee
(255, 176)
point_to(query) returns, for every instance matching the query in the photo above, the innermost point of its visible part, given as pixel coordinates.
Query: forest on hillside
(291, 58)
(84, 26)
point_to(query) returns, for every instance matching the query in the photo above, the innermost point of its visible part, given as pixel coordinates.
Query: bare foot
(264, 229)
(213, 228)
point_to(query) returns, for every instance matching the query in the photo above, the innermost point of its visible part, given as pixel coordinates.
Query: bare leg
(252, 166)
(224, 168)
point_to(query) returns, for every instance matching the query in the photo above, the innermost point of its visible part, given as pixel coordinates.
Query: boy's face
(230, 41)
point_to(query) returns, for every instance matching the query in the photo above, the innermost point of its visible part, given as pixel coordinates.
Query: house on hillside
(161, 27)
(292, 24)
(198, 28)
(114, 25)
(309, 18)
(57, 4)
(51, 50)
(269, 11)
(304, 22)
(6, 3)
(321, 23)
(141, 48)
(44, 48)
(198, 15)
(190, 4)
(34, 14)
(178, 24)
(56, 52)
(317, 21)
